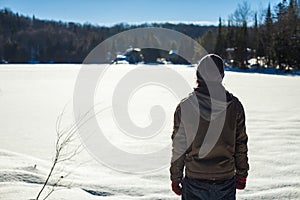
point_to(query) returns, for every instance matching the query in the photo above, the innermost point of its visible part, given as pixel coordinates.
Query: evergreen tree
(241, 47)
(268, 36)
(287, 34)
(220, 43)
(208, 41)
(257, 47)
(293, 34)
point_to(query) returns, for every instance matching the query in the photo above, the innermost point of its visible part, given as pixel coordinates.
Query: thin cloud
(201, 23)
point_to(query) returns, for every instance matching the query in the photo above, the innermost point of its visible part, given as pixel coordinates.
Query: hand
(240, 182)
(176, 187)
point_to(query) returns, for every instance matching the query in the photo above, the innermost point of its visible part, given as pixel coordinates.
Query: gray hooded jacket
(209, 137)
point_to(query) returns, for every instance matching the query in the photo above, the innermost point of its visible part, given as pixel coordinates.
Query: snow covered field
(32, 96)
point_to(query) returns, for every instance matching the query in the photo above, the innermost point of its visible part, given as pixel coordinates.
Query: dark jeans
(196, 189)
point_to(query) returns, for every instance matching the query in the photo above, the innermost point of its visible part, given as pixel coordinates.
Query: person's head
(210, 69)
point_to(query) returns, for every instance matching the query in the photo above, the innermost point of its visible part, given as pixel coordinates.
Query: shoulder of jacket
(187, 99)
(238, 104)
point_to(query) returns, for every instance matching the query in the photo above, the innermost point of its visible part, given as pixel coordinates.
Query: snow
(32, 96)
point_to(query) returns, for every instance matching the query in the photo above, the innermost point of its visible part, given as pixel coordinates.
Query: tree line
(24, 39)
(274, 40)
(271, 36)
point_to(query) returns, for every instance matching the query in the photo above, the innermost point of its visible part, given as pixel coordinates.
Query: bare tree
(242, 13)
(65, 138)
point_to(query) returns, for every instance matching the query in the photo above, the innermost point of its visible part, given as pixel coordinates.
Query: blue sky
(110, 12)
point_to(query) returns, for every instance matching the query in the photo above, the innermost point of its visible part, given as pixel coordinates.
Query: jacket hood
(212, 105)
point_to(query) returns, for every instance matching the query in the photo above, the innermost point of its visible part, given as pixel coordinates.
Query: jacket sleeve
(178, 148)
(241, 149)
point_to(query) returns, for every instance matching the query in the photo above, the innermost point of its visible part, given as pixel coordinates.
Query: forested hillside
(24, 39)
(271, 37)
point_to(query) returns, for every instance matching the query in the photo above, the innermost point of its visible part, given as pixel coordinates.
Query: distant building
(134, 55)
(131, 56)
(174, 58)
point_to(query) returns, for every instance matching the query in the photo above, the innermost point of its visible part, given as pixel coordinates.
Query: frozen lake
(32, 96)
